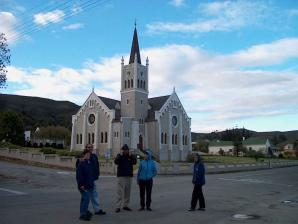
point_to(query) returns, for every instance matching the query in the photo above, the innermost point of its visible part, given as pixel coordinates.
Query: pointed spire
(135, 50)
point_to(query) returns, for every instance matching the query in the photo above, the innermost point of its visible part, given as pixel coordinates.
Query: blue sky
(233, 63)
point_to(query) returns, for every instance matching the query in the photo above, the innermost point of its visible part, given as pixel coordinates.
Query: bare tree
(4, 59)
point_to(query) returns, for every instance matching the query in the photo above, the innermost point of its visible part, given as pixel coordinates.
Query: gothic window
(106, 137)
(125, 84)
(77, 138)
(161, 138)
(138, 83)
(127, 101)
(81, 137)
(183, 142)
(128, 83)
(176, 139)
(89, 138)
(144, 85)
(165, 138)
(128, 134)
(141, 101)
(92, 138)
(185, 139)
(101, 137)
(141, 84)
(131, 83)
(173, 139)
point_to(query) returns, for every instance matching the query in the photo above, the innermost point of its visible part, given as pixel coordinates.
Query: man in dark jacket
(95, 167)
(125, 161)
(85, 181)
(198, 181)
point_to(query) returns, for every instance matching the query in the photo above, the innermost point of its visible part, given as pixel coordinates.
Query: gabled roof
(156, 104)
(255, 141)
(110, 103)
(135, 50)
(221, 143)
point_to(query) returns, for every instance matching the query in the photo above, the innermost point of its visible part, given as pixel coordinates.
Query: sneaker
(127, 209)
(141, 209)
(191, 209)
(85, 218)
(149, 209)
(117, 210)
(100, 212)
(89, 214)
(201, 209)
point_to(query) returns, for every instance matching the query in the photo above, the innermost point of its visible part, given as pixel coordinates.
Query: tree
(11, 128)
(4, 59)
(202, 146)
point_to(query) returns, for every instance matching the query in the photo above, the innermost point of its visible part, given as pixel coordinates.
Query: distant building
(160, 123)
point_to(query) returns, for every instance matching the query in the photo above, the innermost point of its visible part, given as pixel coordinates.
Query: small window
(78, 139)
(141, 101)
(165, 138)
(127, 101)
(176, 139)
(141, 84)
(161, 138)
(141, 73)
(173, 139)
(125, 84)
(138, 83)
(81, 138)
(131, 83)
(92, 138)
(144, 85)
(106, 137)
(101, 137)
(128, 83)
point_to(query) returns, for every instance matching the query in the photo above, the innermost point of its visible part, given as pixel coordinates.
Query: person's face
(125, 152)
(196, 158)
(89, 147)
(145, 157)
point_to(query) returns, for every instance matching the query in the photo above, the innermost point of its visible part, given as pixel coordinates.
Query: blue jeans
(85, 199)
(94, 198)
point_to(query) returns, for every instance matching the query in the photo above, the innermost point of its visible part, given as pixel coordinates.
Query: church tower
(134, 84)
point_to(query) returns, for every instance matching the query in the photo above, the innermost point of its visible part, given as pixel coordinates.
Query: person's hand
(82, 188)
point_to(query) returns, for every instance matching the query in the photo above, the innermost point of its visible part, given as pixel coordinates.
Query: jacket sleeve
(80, 176)
(117, 159)
(154, 170)
(133, 160)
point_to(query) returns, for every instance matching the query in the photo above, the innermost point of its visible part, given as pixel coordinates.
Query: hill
(36, 111)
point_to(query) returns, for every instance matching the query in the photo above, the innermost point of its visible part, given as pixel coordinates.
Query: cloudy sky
(232, 63)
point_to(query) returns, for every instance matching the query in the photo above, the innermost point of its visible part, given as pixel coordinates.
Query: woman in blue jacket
(198, 181)
(147, 170)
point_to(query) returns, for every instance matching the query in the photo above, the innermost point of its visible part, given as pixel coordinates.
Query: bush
(47, 144)
(59, 146)
(54, 145)
(48, 151)
(35, 145)
(68, 153)
(40, 145)
(190, 158)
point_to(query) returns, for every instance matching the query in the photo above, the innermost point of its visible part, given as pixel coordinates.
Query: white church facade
(160, 123)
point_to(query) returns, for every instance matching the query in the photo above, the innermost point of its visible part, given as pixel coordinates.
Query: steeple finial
(135, 23)
(135, 50)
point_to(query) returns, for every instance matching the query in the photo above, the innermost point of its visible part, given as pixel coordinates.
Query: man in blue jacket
(147, 170)
(95, 167)
(85, 181)
(198, 181)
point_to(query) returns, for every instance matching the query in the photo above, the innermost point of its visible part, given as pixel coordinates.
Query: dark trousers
(145, 185)
(197, 193)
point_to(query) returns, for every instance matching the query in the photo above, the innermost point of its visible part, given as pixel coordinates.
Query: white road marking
(13, 191)
(254, 181)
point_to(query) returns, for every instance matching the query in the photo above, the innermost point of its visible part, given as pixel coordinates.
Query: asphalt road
(40, 195)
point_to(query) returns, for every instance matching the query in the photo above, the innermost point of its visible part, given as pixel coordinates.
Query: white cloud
(49, 17)
(177, 3)
(217, 16)
(7, 26)
(214, 89)
(73, 26)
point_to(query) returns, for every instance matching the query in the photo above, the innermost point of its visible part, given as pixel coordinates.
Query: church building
(159, 124)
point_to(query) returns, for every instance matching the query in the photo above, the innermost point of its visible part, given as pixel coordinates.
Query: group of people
(87, 172)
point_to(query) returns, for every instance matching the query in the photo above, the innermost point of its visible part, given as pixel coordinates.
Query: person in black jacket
(85, 181)
(95, 167)
(125, 161)
(198, 181)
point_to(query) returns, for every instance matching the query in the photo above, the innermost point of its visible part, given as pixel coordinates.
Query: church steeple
(135, 50)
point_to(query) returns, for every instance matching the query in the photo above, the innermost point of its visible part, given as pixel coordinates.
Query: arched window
(128, 83)
(185, 139)
(89, 138)
(161, 138)
(144, 85)
(106, 137)
(131, 83)
(92, 138)
(77, 138)
(165, 138)
(138, 83)
(81, 138)
(141, 84)
(101, 137)
(173, 139)
(176, 139)
(125, 84)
